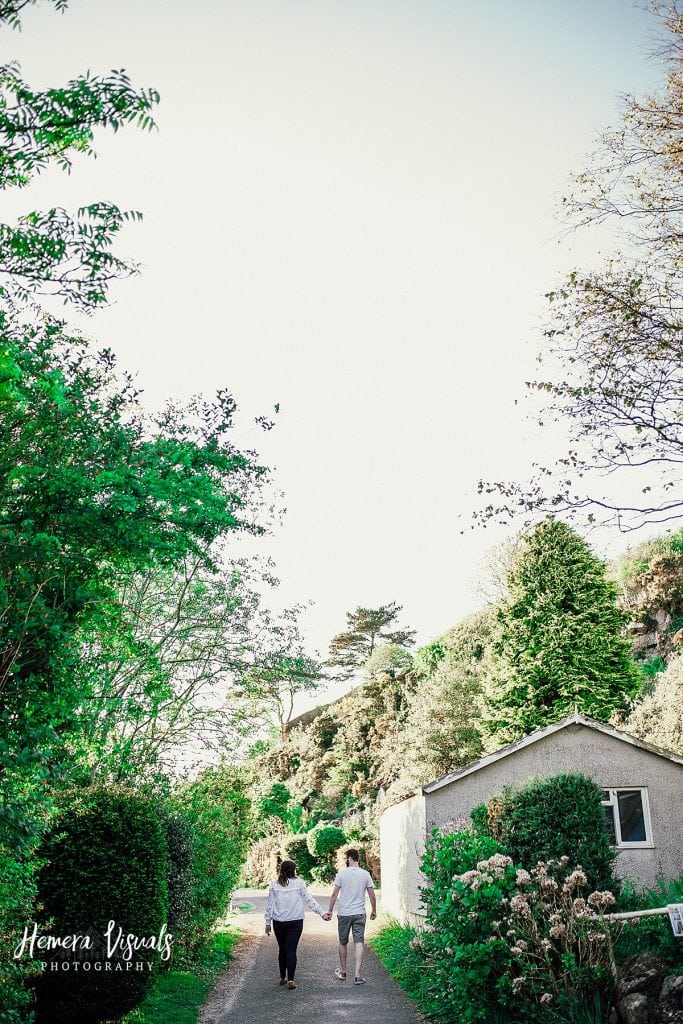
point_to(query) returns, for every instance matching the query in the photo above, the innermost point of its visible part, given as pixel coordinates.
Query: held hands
(327, 916)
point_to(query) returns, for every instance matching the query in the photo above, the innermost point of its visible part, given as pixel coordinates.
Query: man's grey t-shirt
(353, 883)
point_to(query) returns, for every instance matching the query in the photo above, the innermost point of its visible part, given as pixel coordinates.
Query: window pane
(609, 818)
(631, 817)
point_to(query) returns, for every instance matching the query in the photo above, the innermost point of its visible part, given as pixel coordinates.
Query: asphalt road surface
(248, 992)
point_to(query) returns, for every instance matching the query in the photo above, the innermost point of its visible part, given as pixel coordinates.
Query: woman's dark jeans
(288, 934)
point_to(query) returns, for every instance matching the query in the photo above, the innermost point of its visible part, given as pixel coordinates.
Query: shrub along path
(248, 992)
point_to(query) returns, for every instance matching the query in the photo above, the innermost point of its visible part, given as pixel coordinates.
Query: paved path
(248, 992)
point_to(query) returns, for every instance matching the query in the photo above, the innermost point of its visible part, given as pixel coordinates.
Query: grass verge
(405, 965)
(176, 996)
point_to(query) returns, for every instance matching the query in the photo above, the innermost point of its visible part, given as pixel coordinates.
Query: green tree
(68, 255)
(279, 670)
(658, 717)
(161, 666)
(443, 730)
(90, 487)
(55, 252)
(557, 641)
(615, 340)
(365, 629)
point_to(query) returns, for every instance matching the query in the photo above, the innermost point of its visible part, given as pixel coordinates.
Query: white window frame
(614, 804)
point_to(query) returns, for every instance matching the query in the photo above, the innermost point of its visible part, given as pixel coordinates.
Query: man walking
(350, 886)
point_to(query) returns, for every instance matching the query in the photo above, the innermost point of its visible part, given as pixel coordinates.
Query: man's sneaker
(359, 981)
(340, 975)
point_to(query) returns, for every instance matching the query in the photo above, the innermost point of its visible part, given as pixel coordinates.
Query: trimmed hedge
(325, 840)
(106, 859)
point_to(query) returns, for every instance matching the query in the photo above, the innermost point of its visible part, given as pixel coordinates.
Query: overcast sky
(349, 211)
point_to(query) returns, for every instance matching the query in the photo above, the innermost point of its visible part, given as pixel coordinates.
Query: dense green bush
(324, 873)
(479, 816)
(217, 810)
(447, 854)
(325, 840)
(273, 803)
(296, 848)
(501, 940)
(106, 859)
(468, 973)
(20, 829)
(555, 817)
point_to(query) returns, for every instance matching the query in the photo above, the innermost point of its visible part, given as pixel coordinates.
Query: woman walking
(285, 909)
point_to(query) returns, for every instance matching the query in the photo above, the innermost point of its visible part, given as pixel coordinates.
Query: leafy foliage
(89, 487)
(443, 725)
(549, 818)
(657, 718)
(503, 942)
(468, 975)
(54, 252)
(217, 810)
(274, 803)
(162, 667)
(179, 842)
(325, 839)
(295, 847)
(558, 642)
(106, 859)
(615, 337)
(10, 10)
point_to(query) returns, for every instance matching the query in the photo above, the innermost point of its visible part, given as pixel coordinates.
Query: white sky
(348, 210)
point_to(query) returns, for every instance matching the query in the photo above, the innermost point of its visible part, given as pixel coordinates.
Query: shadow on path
(248, 992)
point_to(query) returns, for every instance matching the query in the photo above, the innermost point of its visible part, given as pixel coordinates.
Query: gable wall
(402, 839)
(612, 763)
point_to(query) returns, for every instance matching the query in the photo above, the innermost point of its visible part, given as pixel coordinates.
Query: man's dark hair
(353, 854)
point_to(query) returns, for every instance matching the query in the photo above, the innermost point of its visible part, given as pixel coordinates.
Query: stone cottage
(642, 796)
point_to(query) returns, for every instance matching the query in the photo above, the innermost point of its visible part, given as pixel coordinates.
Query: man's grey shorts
(354, 924)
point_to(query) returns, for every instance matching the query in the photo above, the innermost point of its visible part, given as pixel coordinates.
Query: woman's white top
(286, 902)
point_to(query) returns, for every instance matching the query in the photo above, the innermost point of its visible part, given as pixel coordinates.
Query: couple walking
(285, 911)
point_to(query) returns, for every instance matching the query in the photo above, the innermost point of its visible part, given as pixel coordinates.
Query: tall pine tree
(366, 629)
(558, 642)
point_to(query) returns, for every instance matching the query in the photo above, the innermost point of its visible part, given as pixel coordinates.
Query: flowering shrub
(560, 942)
(469, 963)
(504, 939)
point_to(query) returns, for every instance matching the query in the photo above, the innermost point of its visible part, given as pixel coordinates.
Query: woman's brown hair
(287, 871)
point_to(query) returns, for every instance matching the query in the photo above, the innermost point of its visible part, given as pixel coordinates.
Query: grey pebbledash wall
(613, 760)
